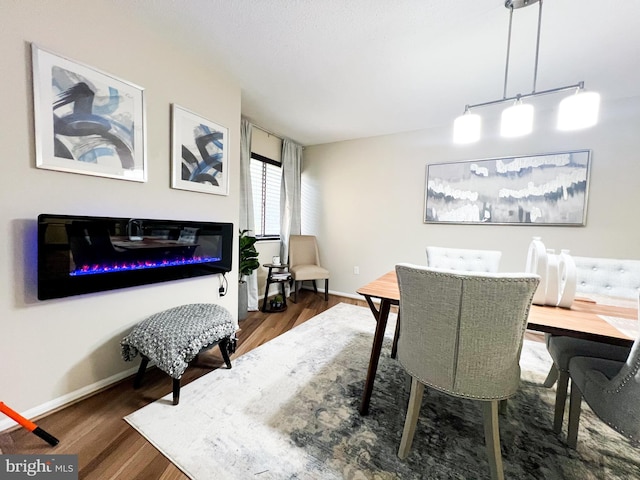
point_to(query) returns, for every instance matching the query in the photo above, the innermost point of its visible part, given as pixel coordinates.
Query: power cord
(222, 290)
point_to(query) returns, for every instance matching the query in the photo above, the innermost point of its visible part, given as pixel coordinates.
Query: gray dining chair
(611, 389)
(462, 259)
(599, 276)
(462, 334)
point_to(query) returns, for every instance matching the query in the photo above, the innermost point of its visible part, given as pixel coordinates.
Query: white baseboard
(68, 399)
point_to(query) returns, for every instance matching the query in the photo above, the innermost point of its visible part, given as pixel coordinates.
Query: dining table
(596, 317)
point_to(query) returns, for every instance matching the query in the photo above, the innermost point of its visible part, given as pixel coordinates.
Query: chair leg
(492, 439)
(575, 405)
(552, 376)
(326, 289)
(561, 400)
(295, 291)
(315, 286)
(411, 420)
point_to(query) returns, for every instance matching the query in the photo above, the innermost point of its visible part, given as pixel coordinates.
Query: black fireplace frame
(142, 251)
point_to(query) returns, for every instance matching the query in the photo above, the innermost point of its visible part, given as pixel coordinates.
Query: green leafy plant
(248, 254)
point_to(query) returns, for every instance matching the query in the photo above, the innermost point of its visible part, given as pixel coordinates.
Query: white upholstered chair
(462, 334)
(465, 260)
(611, 389)
(304, 263)
(595, 276)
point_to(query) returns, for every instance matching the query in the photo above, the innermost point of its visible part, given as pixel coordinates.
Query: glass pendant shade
(578, 111)
(466, 128)
(517, 120)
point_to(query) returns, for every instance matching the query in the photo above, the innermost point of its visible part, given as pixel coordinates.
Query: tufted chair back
(607, 276)
(463, 260)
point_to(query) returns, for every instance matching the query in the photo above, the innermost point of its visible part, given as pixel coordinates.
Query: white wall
(364, 198)
(52, 351)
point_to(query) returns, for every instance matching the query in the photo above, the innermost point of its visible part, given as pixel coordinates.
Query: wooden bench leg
(143, 367)
(225, 346)
(176, 391)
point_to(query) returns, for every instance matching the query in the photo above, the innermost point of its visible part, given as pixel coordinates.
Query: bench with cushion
(174, 337)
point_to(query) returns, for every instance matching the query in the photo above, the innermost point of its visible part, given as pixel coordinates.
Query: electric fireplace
(82, 254)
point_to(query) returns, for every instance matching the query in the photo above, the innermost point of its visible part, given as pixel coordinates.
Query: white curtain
(246, 205)
(290, 195)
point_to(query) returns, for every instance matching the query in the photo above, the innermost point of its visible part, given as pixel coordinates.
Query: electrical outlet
(356, 270)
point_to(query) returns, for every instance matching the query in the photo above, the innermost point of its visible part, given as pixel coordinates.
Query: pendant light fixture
(577, 111)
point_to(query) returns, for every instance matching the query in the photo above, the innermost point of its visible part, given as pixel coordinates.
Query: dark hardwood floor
(107, 447)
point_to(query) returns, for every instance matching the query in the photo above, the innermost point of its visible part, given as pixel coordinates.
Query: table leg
(266, 294)
(381, 323)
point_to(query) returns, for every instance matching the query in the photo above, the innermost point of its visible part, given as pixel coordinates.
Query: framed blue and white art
(87, 121)
(545, 189)
(199, 153)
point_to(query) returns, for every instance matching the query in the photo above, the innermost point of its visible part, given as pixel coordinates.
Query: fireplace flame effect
(140, 265)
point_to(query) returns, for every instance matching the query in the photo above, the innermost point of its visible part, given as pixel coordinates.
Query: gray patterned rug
(289, 410)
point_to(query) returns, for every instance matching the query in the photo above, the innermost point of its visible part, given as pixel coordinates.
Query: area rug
(289, 410)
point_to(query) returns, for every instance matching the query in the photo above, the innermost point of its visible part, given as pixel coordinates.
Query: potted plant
(248, 263)
(276, 302)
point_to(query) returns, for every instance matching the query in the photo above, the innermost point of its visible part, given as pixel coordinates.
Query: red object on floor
(28, 424)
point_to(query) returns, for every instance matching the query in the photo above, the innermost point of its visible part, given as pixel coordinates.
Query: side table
(277, 274)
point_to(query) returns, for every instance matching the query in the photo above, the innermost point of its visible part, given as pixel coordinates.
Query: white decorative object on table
(537, 263)
(557, 275)
(567, 276)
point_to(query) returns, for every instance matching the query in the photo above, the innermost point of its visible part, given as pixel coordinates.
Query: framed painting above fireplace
(87, 121)
(199, 153)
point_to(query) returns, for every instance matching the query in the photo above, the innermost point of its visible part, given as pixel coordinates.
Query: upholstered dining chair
(304, 264)
(461, 259)
(599, 276)
(462, 334)
(611, 389)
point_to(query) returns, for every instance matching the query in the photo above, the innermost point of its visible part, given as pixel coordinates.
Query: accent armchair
(462, 334)
(304, 264)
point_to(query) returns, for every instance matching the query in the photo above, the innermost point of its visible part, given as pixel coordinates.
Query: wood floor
(107, 447)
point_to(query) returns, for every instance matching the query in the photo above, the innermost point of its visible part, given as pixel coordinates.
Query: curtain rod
(269, 132)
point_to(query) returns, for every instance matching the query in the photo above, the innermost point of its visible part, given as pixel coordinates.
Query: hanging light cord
(506, 66)
(535, 69)
(577, 86)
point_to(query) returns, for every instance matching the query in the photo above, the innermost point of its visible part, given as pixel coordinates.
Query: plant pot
(243, 301)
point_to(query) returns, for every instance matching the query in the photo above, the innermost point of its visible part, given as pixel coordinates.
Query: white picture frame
(199, 153)
(87, 121)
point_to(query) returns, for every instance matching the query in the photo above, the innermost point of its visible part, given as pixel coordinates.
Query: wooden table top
(384, 287)
(582, 320)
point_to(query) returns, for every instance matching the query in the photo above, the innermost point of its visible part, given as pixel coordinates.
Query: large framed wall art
(546, 189)
(199, 153)
(87, 121)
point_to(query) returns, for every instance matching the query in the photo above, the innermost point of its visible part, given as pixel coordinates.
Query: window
(266, 175)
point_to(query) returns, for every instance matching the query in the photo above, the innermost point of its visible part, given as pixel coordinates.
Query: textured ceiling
(320, 71)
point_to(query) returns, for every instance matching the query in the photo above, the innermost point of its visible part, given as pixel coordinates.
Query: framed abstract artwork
(87, 121)
(546, 189)
(199, 153)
